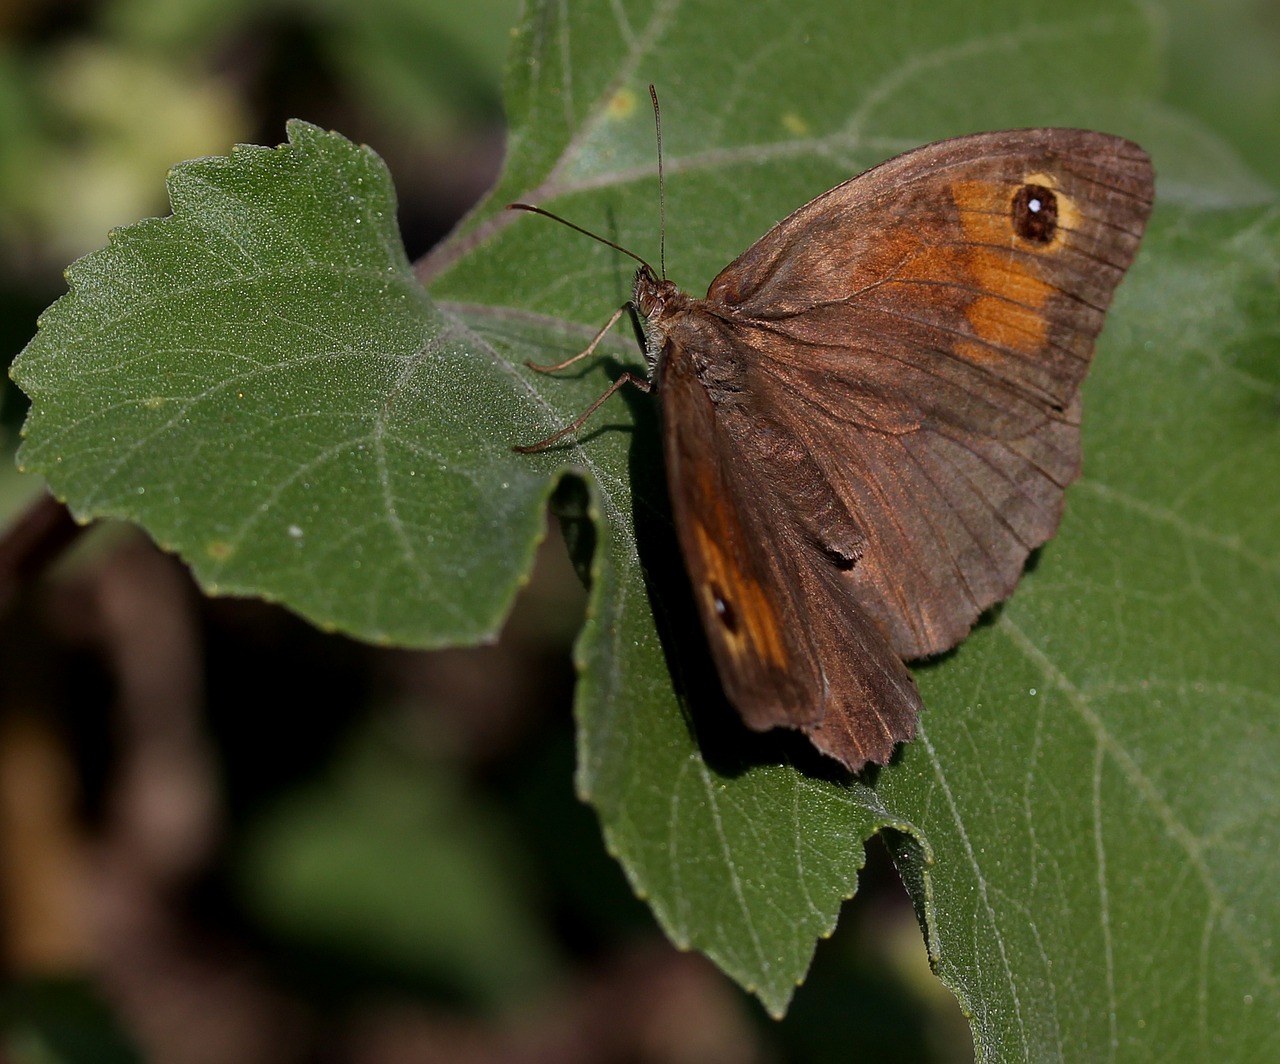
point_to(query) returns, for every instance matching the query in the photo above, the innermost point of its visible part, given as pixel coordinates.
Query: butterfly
(870, 420)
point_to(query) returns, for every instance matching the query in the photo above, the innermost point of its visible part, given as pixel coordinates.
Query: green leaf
(1087, 821)
(261, 382)
(1098, 776)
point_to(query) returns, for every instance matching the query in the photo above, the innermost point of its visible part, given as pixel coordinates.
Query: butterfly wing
(788, 649)
(922, 332)
(981, 324)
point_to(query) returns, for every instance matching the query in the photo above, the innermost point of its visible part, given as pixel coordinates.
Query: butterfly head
(654, 299)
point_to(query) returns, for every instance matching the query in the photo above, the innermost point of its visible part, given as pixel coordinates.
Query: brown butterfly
(870, 420)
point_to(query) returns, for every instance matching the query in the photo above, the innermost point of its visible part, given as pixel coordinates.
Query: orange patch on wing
(1009, 312)
(755, 628)
(1007, 320)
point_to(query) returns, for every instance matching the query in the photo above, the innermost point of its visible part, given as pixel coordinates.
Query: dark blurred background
(227, 837)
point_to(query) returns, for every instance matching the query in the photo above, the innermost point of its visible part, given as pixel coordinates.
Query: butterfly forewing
(916, 265)
(923, 333)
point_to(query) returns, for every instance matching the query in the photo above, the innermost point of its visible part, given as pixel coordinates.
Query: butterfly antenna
(578, 229)
(662, 186)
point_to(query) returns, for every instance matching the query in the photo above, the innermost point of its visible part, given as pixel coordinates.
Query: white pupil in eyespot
(1033, 206)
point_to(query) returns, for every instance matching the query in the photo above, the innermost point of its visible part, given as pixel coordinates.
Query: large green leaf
(1098, 776)
(260, 383)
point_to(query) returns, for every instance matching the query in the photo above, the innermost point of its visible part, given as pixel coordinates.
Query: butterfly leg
(589, 349)
(627, 377)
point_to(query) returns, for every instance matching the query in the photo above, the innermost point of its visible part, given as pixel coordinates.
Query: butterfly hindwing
(769, 554)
